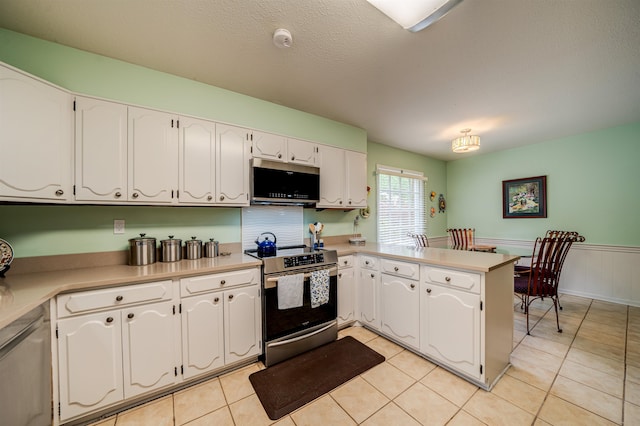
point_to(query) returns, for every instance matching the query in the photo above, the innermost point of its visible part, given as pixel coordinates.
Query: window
(401, 205)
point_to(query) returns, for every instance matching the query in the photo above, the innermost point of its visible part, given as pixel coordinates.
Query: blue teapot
(266, 247)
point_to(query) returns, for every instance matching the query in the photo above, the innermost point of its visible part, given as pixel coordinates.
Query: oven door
(283, 322)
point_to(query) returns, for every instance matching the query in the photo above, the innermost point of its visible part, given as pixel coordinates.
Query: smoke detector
(282, 38)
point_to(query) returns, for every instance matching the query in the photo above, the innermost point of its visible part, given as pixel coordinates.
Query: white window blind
(401, 205)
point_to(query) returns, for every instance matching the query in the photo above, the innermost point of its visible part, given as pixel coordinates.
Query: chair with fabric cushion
(541, 279)
(464, 239)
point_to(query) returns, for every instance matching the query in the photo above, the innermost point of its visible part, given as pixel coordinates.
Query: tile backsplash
(286, 223)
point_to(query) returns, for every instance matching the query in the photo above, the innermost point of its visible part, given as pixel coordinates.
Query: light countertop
(20, 293)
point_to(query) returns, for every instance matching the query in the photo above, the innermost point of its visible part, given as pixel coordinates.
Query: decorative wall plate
(6, 256)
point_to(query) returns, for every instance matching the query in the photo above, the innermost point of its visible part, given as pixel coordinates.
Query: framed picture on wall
(524, 198)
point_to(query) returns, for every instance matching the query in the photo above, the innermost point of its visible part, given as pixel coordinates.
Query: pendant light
(465, 143)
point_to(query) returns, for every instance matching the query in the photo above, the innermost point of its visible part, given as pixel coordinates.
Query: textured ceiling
(514, 71)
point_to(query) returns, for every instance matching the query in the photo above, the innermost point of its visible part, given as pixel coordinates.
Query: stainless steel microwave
(284, 183)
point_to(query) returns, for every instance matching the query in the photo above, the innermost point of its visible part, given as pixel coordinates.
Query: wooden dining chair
(421, 240)
(464, 239)
(541, 279)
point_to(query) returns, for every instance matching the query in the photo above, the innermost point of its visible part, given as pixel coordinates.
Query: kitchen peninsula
(452, 307)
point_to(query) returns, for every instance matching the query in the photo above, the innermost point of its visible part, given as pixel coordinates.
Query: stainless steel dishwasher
(25, 370)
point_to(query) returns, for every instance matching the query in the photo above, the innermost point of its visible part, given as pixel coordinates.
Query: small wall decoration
(433, 211)
(433, 195)
(442, 205)
(524, 198)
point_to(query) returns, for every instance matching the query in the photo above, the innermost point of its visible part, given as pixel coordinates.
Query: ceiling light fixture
(465, 143)
(415, 15)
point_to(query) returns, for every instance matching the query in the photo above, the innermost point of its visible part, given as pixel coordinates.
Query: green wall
(592, 187)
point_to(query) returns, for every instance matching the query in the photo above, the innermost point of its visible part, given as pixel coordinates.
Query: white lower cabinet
(368, 298)
(202, 334)
(400, 309)
(346, 290)
(451, 327)
(90, 363)
(242, 323)
(148, 347)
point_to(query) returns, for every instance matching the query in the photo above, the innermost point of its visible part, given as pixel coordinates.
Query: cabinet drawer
(200, 284)
(86, 301)
(462, 280)
(345, 261)
(403, 269)
(368, 262)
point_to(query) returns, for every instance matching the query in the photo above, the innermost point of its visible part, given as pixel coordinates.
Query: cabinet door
(197, 161)
(269, 146)
(148, 336)
(450, 327)
(101, 150)
(90, 363)
(242, 323)
(153, 156)
(202, 334)
(36, 121)
(356, 180)
(332, 176)
(400, 309)
(346, 295)
(368, 288)
(302, 152)
(232, 166)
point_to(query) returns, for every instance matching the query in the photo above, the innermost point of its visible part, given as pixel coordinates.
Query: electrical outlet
(118, 226)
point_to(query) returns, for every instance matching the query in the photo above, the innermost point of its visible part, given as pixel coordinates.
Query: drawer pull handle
(346, 262)
(279, 155)
(223, 282)
(135, 195)
(109, 320)
(396, 269)
(209, 198)
(118, 195)
(216, 300)
(222, 198)
(130, 315)
(413, 286)
(447, 279)
(230, 296)
(366, 262)
(340, 275)
(59, 192)
(119, 298)
(293, 157)
(373, 276)
(429, 290)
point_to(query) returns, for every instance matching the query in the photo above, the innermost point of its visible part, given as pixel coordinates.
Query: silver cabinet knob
(221, 197)
(135, 195)
(117, 195)
(59, 192)
(209, 198)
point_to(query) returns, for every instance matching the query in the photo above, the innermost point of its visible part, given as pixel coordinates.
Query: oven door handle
(272, 282)
(305, 336)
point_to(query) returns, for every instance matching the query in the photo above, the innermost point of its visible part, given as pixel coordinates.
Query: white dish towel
(290, 291)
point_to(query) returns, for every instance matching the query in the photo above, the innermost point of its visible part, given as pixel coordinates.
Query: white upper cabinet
(268, 146)
(197, 161)
(232, 165)
(101, 150)
(343, 178)
(36, 121)
(153, 156)
(332, 174)
(302, 152)
(286, 150)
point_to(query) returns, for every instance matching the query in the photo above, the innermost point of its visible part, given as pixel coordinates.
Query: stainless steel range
(299, 301)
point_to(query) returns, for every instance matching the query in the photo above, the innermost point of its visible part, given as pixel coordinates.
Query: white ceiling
(515, 71)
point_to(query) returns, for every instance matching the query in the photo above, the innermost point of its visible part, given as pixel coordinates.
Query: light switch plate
(118, 226)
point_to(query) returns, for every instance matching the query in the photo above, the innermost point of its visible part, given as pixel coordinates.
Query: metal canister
(171, 249)
(193, 248)
(142, 250)
(211, 248)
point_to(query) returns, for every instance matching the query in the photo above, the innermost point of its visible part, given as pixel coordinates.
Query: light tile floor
(589, 374)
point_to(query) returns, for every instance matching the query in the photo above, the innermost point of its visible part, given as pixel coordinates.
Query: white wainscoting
(600, 272)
